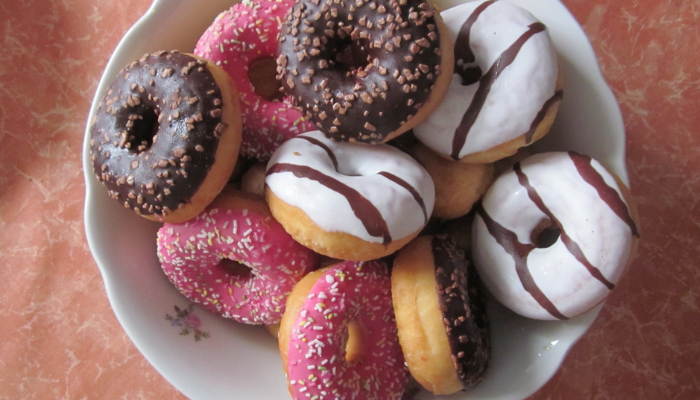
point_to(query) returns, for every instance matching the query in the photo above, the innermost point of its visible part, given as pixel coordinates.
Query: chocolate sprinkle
(353, 59)
(149, 99)
(463, 311)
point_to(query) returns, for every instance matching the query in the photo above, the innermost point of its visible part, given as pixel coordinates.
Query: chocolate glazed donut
(441, 319)
(158, 132)
(360, 70)
(463, 311)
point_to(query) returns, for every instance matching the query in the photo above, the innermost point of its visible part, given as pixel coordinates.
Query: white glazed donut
(506, 85)
(550, 194)
(348, 200)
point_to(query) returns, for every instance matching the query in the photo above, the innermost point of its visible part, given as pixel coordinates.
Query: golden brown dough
(441, 320)
(458, 185)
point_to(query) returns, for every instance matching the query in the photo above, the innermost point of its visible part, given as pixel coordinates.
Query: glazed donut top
(154, 172)
(504, 81)
(376, 193)
(322, 40)
(317, 366)
(240, 40)
(581, 199)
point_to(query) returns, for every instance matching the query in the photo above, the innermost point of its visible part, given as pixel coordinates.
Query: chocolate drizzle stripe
(609, 195)
(388, 175)
(410, 189)
(519, 251)
(570, 244)
(363, 209)
(320, 144)
(463, 51)
(557, 96)
(504, 60)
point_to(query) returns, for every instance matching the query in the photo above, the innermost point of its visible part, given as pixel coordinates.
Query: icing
(359, 70)
(317, 365)
(584, 204)
(156, 174)
(463, 311)
(240, 36)
(240, 229)
(376, 193)
(503, 84)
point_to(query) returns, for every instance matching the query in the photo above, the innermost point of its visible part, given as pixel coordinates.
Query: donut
(460, 230)
(553, 235)
(338, 337)
(458, 186)
(348, 201)
(506, 164)
(442, 323)
(364, 71)
(234, 259)
(506, 87)
(165, 137)
(273, 330)
(242, 166)
(243, 41)
(253, 180)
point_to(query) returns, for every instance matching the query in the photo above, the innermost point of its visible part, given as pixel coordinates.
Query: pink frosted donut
(242, 35)
(237, 226)
(338, 339)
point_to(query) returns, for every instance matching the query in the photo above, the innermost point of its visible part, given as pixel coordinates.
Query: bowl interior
(234, 360)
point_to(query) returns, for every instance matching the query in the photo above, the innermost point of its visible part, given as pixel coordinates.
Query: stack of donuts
(351, 175)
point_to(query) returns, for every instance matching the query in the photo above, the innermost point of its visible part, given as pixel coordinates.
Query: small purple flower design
(188, 321)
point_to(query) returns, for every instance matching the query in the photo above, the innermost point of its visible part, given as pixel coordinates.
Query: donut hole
(261, 74)
(349, 172)
(142, 127)
(235, 268)
(352, 56)
(545, 234)
(470, 74)
(353, 342)
(351, 169)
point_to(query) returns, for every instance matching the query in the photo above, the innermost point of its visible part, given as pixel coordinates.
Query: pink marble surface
(60, 340)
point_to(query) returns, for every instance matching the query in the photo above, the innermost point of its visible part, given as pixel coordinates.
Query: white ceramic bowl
(236, 361)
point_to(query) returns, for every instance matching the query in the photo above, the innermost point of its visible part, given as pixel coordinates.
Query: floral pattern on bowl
(186, 319)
